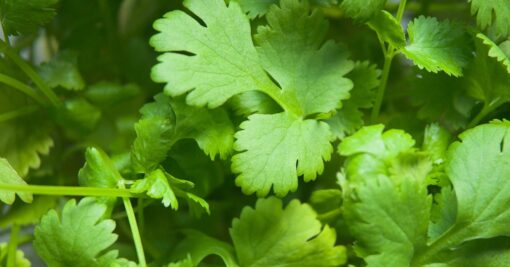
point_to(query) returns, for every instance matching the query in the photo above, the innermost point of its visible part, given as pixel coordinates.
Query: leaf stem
(67, 190)
(30, 72)
(17, 113)
(134, 228)
(482, 114)
(12, 247)
(401, 9)
(8, 80)
(448, 239)
(382, 86)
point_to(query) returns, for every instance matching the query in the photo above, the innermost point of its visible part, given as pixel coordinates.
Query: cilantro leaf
(20, 16)
(9, 176)
(349, 117)
(269, 236)
(251, 102)
(492, 12)
(256, 8)
(386, 204)
(388, 29)
(156, 185)
(275, 149)
(78, 115)
(292, 50)
(481, 253)
(20, 261)
(478, 166)
(496, 51)
(362, 10)
(224, 61)
(437, 46)
(62, 70)
(99, 170)
(65, 240)
(27, 214)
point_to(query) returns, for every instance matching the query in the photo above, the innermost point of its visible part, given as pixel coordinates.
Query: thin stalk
(12, 247)
(482, 114)
(134, 229)
(444, 241)
(30, 72)
(67, 190)
(382, 87)
(17, 113)
(140, 213)
(401, 9)
(8, 80)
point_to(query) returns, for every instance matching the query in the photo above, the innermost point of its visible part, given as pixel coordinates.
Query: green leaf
(78, 237)
(478, 167)
(212, 129)
(482, 253)
(272, 236)
(156, 186)
(79, 115)
(22, 17)
(349, 117)
(437, 46)
(154, 134)
(488, 79)
(443, 212)
(197, 246)
(224, 61)
(62, 70)
(388, 29)
(27, 214)
(276, 149)
(251, 102)
(386, 204)
(293, 50)
(256, 8)
(99, 170)
(20, 261)
(362, 10)
(187, 262)
(9, 176)
(492, 12)
(497, 52)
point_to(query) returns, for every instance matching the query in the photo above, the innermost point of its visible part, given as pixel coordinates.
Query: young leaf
(78, 237)
(385, 196)
(9, 176)
(62, 70)
(362, 10)
(349, 117)
(20, 261)
(437, 46)
(156, 186)
(269, 236)
(293, 51)
(388, 29)
(276, 149)
(99, 170)
(492, 12)
(20, 16)
(224, 61)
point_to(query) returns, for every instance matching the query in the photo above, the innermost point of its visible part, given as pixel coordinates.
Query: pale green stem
(21, 87)
(134, 229)
(30, 72)
(12, 247)
(67, 190)
(17, 113)
(482, 114)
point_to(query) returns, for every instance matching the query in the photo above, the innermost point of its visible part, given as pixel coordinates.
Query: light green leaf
(293, 51)
(251, 102)
(443, 212)
(62, 70)
(388, 29)
(156, 185)
(21, 16)
(362, 10)
(78, 237)
(187, 262)
(276, 149)
(224, 61)
(99, 170)
(348, 117)
(437, 46)
(20, 260)
(497, 52)
(478, 167)
(492, 12)
(154, 134)
(256, 8)
(9, 176)
(272, 236)
(385, 196)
